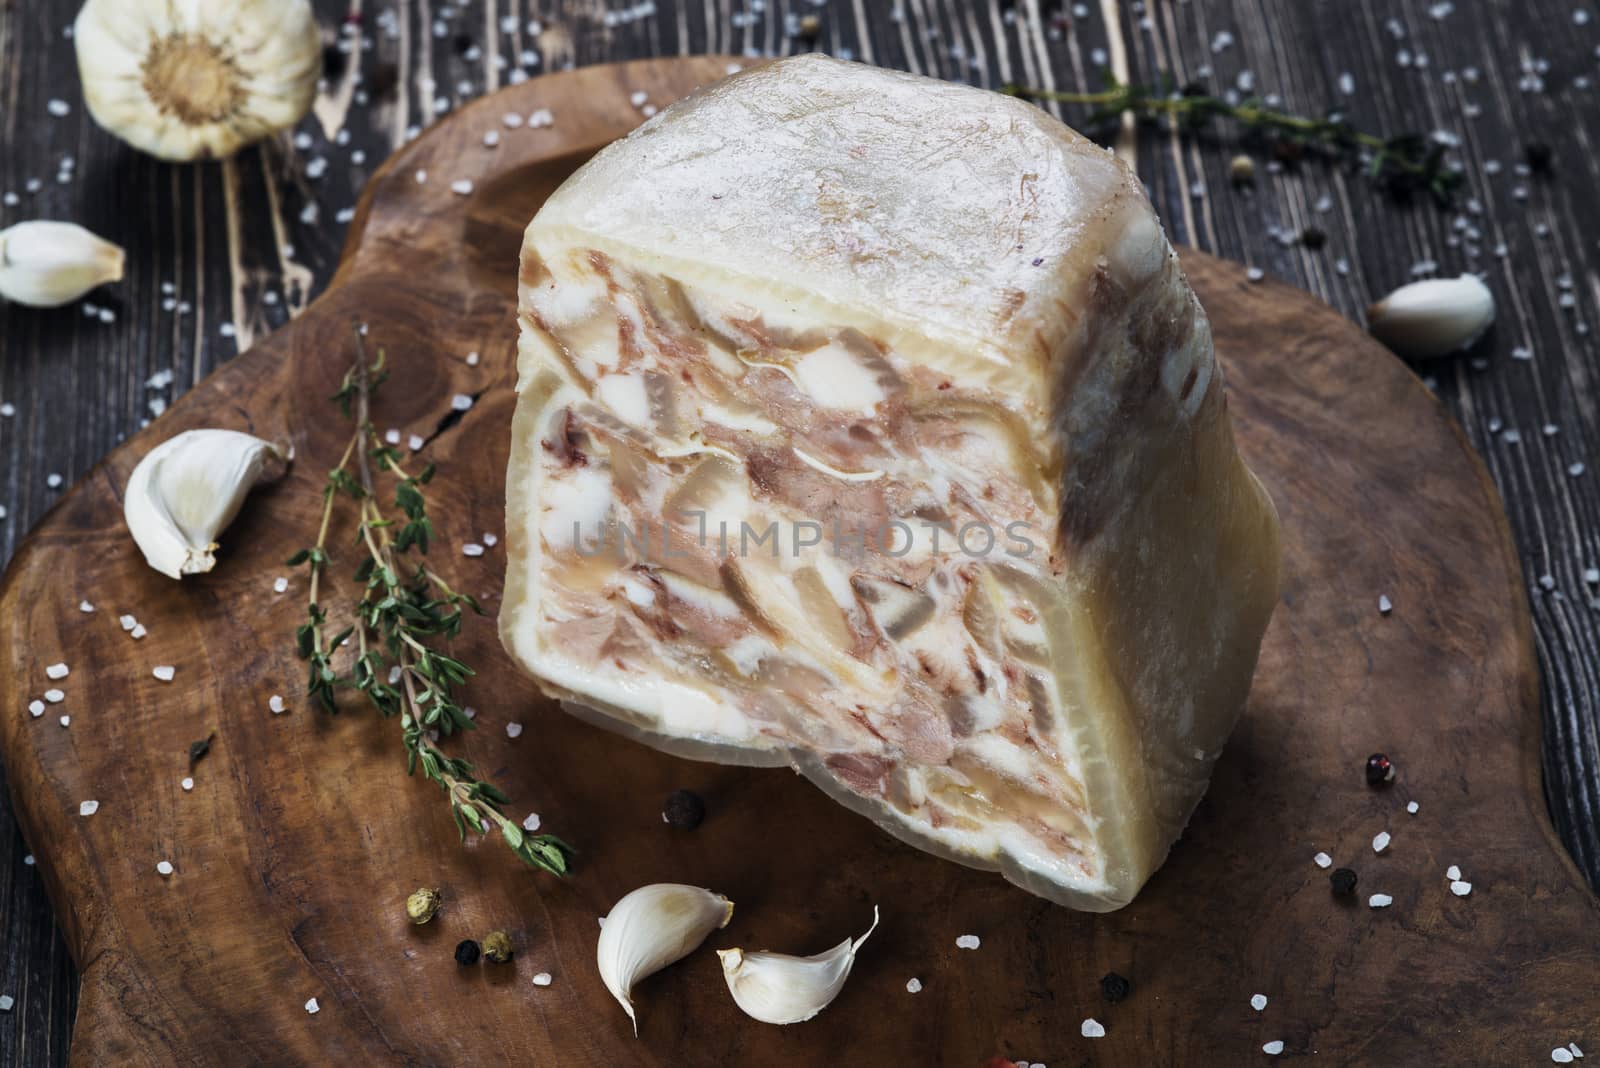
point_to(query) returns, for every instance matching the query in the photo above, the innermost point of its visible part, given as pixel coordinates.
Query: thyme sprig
(1399, 165)
(405, 609)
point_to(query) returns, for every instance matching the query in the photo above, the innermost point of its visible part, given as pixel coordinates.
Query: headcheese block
(867, 424)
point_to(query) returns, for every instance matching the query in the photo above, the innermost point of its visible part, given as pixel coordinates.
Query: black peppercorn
(1313, 238)
(1379, 770)
(1539, 156)
(1114, 987)
(1343, 881)
(683, 810)
(466, 953)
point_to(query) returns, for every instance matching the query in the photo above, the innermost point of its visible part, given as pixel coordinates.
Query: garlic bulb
(184, 79)
(187, 490)
(650, 929)
(1433, 318)
(52, 263)
(779, 989)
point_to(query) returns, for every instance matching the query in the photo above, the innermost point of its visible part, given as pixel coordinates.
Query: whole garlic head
(189, 79)
(47, 264)
(187, 490)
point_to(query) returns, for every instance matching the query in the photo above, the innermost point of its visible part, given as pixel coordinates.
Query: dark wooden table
(219, 254)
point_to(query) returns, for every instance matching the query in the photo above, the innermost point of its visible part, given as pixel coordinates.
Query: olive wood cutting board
(302, 835)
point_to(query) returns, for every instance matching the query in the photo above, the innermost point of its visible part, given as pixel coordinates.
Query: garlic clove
(47, 264)
(187, 490)
(651, 928)
(1434, 317)
(776, 988)
(195, 80)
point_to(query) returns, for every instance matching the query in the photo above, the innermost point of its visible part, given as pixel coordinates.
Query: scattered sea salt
(1255, 274)
(1561, 1055)
(415, 443)
(53, 480)
(471, 549)
(1453, 872)
(85, 607)
(1273, 1048)
(56, 671)
(1380, 901)
(275, 704)
(59, 108)
(461, 402)
(164, 867)
(1412, 806)
(88, 808)
(491, 139)
(542, 979)
(1092, 1028)
(541, 118)
(1323, 860)
(472, 359)
(1385, 605)
(461, 187)
(490, 540)
(1258, 1001)
(128, 622)
(280, 584)
(513, 730)
(28, 860)
(511, 119)
(138, 631)
(187, 783)
(913, 986)
(36, 708)
(312, 1007)
(639, 98)
(66, 721)
(164, 672)
(531, 822)
(1380, 841)
(6, 1002)
(1576, 1052)
(968, 942)
(1460, 888)
(55, 697)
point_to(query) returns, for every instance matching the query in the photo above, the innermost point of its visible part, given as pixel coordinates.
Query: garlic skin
(776, 988)
(187, 79)
(48, 264)
(187, 490)
(1433, 318)
(651, 928)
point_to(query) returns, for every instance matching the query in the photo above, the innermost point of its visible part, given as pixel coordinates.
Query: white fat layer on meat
(746, 421)
(578, 502)
(637, 592)
(685, 710)
(712, 602)
(627, 398)
(836, 379)
(746, 653)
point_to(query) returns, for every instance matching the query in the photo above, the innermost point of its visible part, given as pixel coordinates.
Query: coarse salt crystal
(1453, 872)
(531, 822)
(1380, 901)
(511, 119)
(1385, 606)
(1576, 1052)
(1092, 1028)
(56, 671)
(638, 98)
(312, 1007)
(461, 187)
(542, 979)
(540, 119)
(421, 176)
(164, 867)
(490, 540)
(491, 138)
(59, 108)
(1258, 1001)
(513, 730)
(1380, 841)
(6, 1002)
(471, 549)
(85, 607)
(472, 359)
(53, 480)
(1273, 1048)
(55, 697)
(28, 860)
(36, 707)
(1561, 1055)
(1323, 860)
(275, 704)
(1412, 806)
(967, 942)
(415, 443)
(187, 783)
(88, 808)
(914, 986)
(66, 721)
(128, 622)
(1255, 274)
(280, 584)
(1460, 888)
(138, 631)
(164, 672)
(461, 402)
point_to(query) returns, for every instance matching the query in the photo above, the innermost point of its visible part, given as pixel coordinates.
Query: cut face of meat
(867, 424)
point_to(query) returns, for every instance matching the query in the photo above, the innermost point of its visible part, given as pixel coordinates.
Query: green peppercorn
(422, 905)
(497, 947)
(1241, 170)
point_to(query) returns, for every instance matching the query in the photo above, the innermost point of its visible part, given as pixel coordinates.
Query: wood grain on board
(301, 838)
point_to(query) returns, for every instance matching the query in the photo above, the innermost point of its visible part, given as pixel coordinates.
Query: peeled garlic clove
(47, 264)
(187, 490)
(1433, 318)
(195, 80)
(776, 988)
(650, 929)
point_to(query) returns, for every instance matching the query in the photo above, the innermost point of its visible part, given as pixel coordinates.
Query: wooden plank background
(222, 253)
